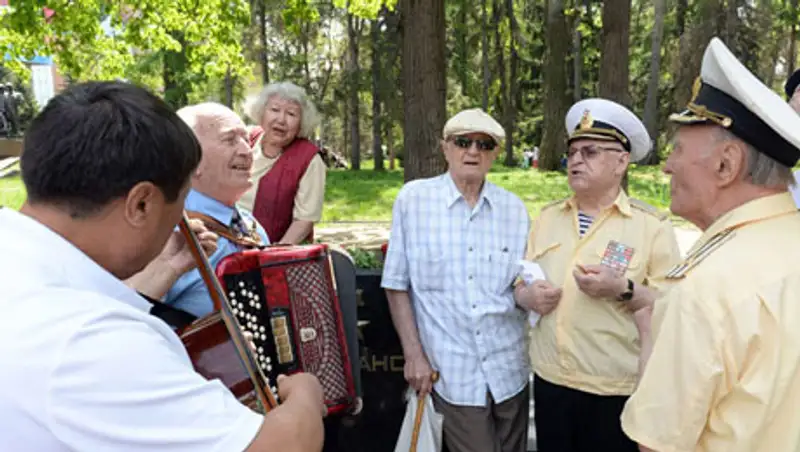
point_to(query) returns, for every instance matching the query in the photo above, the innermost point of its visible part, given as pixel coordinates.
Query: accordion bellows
(286, 297)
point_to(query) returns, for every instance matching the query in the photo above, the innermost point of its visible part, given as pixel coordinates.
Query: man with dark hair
(86, 367)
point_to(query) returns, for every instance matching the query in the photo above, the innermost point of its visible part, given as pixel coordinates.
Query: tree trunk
(461, 31)
(229, 84)
(614, 75)
(424, 86)
(390, 145)
(651, 104)
(176, 84)
(377, 148)
(511, 108)
(262, 33)
(556, 98)
(577, 64)
(487, 78)
(792, 58)
(352, 87)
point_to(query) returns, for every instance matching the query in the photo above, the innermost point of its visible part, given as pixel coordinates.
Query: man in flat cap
(604, 255)
(722, 347)
(452, 258)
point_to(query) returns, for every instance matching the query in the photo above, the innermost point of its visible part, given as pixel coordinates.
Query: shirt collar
(452, 194)
(622, 203)
(200, 202)
(750, 212)
(73, 269)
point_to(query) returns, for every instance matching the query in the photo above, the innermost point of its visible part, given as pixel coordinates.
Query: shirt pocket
(428, 272)
(546, 257)
(504, 262)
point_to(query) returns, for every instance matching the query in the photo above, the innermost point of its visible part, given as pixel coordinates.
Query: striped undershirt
(584, 221)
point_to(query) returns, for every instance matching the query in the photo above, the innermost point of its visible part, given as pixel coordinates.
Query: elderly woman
(288, 172)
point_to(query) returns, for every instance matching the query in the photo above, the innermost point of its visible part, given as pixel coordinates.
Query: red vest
(274, 203)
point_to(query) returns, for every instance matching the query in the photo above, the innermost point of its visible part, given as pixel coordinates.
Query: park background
(386, 74)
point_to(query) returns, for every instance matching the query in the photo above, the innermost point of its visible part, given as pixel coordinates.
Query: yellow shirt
(724, 374)
(588, 344)
(310, 194)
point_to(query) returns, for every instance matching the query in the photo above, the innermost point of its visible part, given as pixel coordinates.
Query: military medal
(617, 256)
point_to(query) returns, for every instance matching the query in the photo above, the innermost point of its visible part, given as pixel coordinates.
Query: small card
(530, 272)
(617, 256)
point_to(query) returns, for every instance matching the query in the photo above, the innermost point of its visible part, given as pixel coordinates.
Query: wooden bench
(10, 147)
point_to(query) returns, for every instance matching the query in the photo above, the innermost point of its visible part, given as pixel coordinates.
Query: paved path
(373, 235)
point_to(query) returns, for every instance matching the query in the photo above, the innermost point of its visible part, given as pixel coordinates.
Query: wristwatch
(628, 294)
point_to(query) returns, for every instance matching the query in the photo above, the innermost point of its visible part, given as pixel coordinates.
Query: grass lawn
(368, 196)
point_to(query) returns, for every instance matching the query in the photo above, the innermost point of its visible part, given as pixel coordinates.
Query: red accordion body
(285, 296)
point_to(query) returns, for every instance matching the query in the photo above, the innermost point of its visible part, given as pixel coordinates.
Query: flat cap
(474, 120)
(729, 95)
(602, 119)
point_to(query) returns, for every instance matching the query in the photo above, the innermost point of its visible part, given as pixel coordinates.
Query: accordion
(286, 297)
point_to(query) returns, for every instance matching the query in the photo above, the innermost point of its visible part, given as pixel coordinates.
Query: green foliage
(365, 258)
(12, 192)
(84, 49)
(366, 9)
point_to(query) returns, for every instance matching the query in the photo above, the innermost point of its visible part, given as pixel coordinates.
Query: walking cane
(418, 417)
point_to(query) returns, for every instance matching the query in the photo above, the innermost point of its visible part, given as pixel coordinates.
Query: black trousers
(568, 420)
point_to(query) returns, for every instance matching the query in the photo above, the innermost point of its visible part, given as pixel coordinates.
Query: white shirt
(85, 367)
(458, 265)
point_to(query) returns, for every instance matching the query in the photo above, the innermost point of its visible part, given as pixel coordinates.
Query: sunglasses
(590, 152)
(466, 143)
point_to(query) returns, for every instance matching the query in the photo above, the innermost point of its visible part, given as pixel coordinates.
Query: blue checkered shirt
(458, 264)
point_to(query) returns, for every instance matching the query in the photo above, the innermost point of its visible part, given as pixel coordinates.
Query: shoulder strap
(647, 208)
(217, 227)
(178, 319)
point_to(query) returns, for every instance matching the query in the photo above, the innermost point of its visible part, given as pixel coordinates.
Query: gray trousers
(496, 427)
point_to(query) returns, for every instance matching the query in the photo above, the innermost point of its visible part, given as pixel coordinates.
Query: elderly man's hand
(539, 296)
(599, 281)
(642, 319)
(419, 373)
(176, 252)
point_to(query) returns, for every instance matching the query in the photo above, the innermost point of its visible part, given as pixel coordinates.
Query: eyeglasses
(466, 143)
(590, 152)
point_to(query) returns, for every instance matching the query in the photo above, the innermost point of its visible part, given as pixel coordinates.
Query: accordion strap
(178, 319)
(219, 228)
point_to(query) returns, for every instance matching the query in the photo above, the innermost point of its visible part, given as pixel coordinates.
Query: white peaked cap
(729, 95)
(602, 119)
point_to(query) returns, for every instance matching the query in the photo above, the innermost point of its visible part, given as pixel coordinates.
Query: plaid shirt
(458, 265)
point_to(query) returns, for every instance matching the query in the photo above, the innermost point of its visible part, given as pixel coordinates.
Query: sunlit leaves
(365, 9)
(93, 39)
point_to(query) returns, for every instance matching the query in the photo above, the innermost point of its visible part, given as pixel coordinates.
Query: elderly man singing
(603, 254)
(722, 374)
(219, 181)
(452, 257)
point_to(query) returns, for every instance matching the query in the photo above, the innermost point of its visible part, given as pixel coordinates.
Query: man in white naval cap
(451, 262)
(722, 346)
(604, 255)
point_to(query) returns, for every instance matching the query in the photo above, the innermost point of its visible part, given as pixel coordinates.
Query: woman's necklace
(271, 153)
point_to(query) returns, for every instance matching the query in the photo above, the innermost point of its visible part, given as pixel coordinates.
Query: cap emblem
(586, 121)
